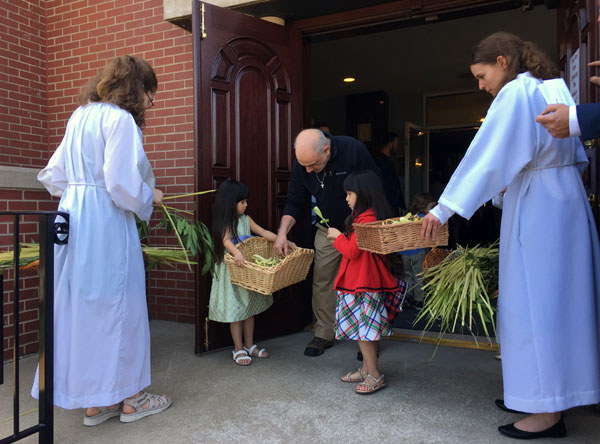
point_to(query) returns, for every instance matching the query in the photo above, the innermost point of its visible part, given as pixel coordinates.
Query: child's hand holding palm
(333, 233)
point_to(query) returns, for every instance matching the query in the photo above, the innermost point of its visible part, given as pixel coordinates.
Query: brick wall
(23, 143)
(23, 113)
(83, 36)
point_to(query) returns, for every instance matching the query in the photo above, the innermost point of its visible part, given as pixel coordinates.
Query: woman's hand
(291, 246)
(333, 233)
(158, 196)
(431, 227)
(239, 259)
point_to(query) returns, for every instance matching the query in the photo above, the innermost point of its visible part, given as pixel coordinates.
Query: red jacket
(360, 270)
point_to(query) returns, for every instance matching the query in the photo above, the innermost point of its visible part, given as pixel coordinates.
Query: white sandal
(156, 404)
(261, 352)
(241, 354)
(104, 415)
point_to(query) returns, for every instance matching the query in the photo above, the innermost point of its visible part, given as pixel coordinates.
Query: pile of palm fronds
(459, 290)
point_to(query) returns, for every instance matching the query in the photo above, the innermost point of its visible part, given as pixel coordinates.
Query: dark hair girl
(225, 214)
(369, 194)
(421, 203)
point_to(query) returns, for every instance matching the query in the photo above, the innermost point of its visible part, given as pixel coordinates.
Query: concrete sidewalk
(290, 398)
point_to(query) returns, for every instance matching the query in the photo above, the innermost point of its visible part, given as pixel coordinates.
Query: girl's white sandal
(241, 354)
(261, 352)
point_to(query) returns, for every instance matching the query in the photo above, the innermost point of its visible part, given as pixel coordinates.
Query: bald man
(322, 163)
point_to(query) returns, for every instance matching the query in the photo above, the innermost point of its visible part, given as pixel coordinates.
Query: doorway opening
(419, 82)
(420, 87)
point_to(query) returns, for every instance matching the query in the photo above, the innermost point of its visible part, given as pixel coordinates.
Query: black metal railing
(51, 232)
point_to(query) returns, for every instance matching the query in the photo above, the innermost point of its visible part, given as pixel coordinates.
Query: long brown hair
(125, 82)
(521, 56)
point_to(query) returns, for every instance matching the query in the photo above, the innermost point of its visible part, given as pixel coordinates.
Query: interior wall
(411, 62)
(332, 111)
(428, 58)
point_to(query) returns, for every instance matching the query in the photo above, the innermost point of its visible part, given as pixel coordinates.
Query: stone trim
(19, 178)
(174, 9)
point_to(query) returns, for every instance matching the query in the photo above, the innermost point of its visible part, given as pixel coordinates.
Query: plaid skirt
(361, 317)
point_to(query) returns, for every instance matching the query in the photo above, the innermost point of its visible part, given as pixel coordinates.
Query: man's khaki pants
(324, 297)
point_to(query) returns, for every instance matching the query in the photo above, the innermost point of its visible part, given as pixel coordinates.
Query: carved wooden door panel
(247, 96)
(577, 46)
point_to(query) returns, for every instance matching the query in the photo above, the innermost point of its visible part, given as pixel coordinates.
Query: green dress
(231, 303)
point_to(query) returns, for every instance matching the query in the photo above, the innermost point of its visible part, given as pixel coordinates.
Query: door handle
(592, 199)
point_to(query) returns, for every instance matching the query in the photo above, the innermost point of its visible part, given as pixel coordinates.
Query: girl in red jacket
(362, 281)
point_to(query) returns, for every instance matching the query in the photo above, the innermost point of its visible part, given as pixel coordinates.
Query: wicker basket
(435, 257)
(390, 238)
(266, 280)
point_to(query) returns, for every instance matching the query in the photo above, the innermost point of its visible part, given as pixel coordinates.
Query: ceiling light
(349, 79)
(482, 119)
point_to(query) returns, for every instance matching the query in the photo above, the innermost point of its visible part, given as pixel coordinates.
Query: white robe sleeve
(122, 155)
(442, 212)
(504, 144)
(498, 200)
(53, 176)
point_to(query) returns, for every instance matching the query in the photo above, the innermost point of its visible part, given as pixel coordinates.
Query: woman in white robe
(549, 289)
(103, 177)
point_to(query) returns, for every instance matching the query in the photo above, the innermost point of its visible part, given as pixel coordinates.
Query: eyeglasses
(150, 99)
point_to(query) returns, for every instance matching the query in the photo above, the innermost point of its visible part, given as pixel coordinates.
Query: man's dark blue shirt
(347, 155)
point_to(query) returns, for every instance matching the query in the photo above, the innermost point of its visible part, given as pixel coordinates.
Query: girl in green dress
(231, 303)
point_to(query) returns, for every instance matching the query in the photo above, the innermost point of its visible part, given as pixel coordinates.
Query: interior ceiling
(420, 59)
(300, 9)
(292, 10)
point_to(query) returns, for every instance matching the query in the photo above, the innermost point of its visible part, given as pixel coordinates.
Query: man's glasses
(151, 101)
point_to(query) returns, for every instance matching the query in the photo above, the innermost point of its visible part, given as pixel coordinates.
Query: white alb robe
(102, 336)
(549, 295)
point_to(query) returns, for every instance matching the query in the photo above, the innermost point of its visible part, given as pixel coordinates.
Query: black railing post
(46, 347)
(17, 251)
(50, 232)
(2, 328)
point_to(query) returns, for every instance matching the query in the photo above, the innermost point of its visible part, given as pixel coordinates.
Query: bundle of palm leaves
(192, 235)
(459, 291)
(28, 253)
